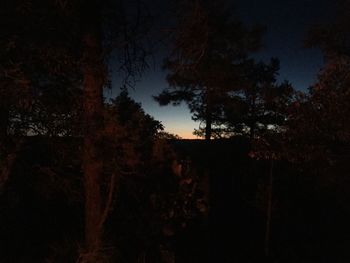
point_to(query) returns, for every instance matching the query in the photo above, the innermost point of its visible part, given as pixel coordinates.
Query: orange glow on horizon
(184, 134)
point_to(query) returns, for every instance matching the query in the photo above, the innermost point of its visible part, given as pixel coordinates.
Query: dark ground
(42, 217)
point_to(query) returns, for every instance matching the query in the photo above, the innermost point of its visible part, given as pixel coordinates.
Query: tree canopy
(206, 61)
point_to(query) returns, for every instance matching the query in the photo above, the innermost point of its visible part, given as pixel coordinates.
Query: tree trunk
(252, 131)
(253, 118)
(208, 129)
(4, 122)
(208, 116)
(93, 70)
(7, 162)
(269, 212)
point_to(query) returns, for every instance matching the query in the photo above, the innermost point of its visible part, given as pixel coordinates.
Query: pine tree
(205, 64)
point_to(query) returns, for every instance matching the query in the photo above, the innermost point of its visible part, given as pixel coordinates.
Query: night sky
(287, 23)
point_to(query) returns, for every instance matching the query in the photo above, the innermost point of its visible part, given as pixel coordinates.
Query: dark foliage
(210, 46)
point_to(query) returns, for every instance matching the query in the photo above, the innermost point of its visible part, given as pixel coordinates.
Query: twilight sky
(287, 22)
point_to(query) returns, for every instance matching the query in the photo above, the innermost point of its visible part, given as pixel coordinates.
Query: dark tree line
(55, 61)
(211, 70)
(55, 53)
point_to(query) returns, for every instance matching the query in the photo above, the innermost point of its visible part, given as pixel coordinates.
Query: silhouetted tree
(209, 48)
(266, 107)
(261, 104)
(39, 68)
(316, 135)
(155, 200)
(318, 121)
(55, 54)
(39, 84)
(129, 134)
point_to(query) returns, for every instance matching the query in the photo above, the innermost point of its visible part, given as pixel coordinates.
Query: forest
(86, 177)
